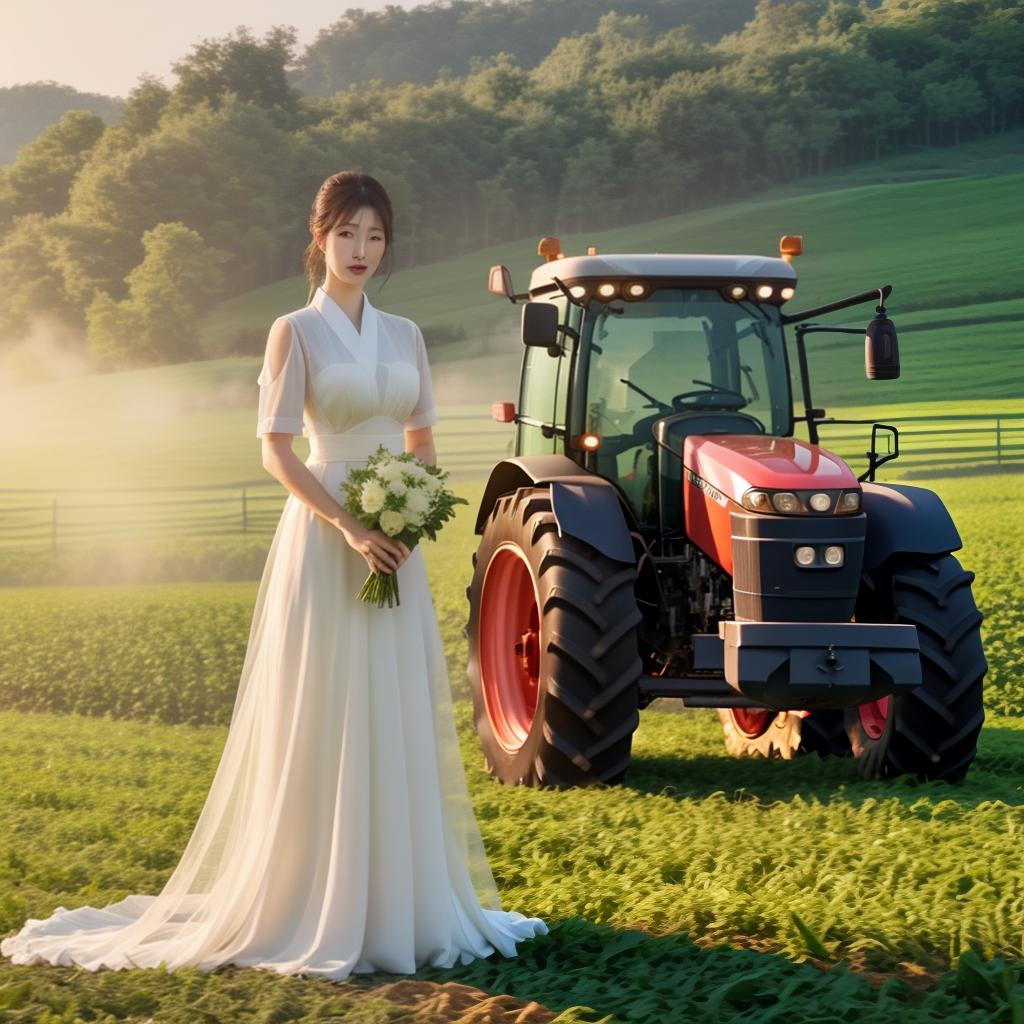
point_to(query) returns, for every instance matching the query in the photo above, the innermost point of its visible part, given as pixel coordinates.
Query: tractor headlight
(737, 291)
(801, 503)
(577, 291)
(805, 555)
(606, 289)
(757, 501)
(635, 290)
(787, 293)
(786, 501)
(764, 291)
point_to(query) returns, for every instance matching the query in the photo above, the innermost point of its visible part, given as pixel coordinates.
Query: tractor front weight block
(796, 665)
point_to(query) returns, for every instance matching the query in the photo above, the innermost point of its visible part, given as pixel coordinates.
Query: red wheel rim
(873, 716)
(509, 645)
(752, 721)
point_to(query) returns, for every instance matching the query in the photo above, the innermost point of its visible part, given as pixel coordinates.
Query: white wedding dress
(337, 835)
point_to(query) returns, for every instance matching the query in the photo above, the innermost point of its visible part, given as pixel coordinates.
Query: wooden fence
(31, 519)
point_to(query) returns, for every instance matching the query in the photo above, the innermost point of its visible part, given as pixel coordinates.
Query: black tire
(932, 731)
(587, 699)
(824, 733)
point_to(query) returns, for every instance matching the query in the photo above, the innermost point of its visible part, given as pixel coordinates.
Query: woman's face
(357, 240)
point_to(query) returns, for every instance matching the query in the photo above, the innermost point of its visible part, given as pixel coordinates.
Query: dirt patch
(453, 1003)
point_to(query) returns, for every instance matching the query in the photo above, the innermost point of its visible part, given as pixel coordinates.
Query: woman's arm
(281, 462)
(421, 444)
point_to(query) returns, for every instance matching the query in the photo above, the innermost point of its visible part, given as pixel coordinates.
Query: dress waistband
(352, 447)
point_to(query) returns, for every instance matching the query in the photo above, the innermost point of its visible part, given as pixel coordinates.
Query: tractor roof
(690, 267)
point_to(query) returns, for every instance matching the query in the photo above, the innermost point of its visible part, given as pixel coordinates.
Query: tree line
(132, 231)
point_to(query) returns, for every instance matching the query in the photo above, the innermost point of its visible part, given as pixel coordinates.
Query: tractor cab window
(679, 349)
(542, 394)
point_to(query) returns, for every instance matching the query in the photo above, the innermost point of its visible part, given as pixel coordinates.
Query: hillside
(948, 246)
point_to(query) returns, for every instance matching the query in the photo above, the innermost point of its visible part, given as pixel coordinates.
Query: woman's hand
(382, 553)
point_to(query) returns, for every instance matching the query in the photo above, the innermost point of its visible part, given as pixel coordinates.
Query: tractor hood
(733, 463)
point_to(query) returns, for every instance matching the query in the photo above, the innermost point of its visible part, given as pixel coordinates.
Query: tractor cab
(681, 360)
(633, 353)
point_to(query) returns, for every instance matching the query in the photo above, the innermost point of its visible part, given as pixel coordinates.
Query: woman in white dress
(337, 835)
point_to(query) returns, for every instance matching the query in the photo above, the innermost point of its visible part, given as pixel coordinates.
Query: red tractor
(660, 532)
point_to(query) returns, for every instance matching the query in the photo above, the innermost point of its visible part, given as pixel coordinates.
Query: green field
(705, 889)
(657, 897)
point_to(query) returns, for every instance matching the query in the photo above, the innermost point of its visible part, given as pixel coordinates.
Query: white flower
(372, 496)
(390, 470)
(413, 517)
(397, 487)
(392, 522)
(417, 501)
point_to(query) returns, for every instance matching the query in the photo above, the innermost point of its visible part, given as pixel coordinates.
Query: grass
(855, 895)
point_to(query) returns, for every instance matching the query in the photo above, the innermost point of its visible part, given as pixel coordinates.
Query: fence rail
(937, 443)
(32, 519)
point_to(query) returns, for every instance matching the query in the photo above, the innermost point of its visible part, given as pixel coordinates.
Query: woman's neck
(348, 296)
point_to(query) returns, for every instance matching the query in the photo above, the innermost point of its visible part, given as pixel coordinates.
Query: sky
(104, 45)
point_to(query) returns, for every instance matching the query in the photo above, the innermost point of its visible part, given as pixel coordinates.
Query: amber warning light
(790, 246)
(503, 412)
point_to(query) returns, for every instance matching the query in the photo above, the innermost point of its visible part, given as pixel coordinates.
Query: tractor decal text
(714, 495)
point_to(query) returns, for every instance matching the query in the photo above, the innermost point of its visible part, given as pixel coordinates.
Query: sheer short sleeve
(424, 413)
(282, 382)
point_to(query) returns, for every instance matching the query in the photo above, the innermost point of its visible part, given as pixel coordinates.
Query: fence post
(245, 513)
(53, 542)
(999, 442)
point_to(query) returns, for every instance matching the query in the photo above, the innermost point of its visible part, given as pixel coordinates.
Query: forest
(127, 232)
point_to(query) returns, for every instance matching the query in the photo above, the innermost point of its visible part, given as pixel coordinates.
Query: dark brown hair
(340, 196)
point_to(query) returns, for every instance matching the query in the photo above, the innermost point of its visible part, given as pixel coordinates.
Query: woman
(337, 835)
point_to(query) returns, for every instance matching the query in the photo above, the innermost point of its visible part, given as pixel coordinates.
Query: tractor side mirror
(499, 280)
(881, 352)
(540, 325)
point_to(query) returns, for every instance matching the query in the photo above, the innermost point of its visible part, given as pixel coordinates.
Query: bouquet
(403, 497)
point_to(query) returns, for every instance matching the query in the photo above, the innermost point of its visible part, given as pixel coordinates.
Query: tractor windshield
(662, 345)
(679, 349)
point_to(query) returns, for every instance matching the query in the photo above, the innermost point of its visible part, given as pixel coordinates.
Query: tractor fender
(902, 519)
(586, 506)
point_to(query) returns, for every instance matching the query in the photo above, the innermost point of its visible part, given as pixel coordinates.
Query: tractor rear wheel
(932, 731)
(761, 732)
(553, 660)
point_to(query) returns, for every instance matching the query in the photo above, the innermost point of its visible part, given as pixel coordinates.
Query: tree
(40, 178)
(144, 106)
(240, 64)
(178, 279)
(951, 102)
(30, 282)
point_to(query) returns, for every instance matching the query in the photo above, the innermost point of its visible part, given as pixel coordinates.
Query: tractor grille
(768, 585)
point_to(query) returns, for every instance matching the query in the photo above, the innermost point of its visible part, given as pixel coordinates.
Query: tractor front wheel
(931, 731)
(553, 659)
